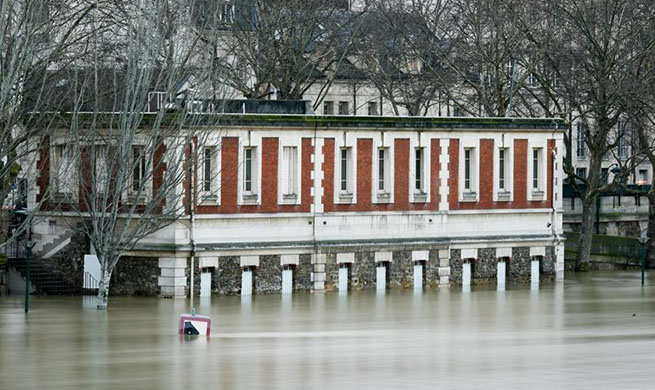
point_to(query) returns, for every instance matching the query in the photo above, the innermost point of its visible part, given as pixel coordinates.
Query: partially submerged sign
(195, 325)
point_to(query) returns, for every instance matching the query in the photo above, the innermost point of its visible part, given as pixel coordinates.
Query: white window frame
(645, 180)
(328, 104)
(251, 196)
(290, 177)
(384, 195)
(211, 195)
(132, 193)
(581, 145)
(343, 103)
(470, 194)
(350, 195)
(504, 193)
(419, 191)
(372, 109)
(66, 187)
(538, 193)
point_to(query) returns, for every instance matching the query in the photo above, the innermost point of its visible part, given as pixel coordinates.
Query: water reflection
(580, 333)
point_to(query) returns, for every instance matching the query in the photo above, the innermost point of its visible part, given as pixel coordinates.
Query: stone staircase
(50, 246)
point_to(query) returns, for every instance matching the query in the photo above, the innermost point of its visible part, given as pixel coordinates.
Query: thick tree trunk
(650, 246)
(586, 234)
(103, 288)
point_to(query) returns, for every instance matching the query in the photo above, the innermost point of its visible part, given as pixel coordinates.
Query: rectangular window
(207, 169)
(468, 156)
(138, 168)
(63, 169)
(328, 107)
(533, 80)
(373, 108)
(581, 172)
(604, 175)
(502, 173)
(383, 170)
(101, 168)
(344, 169)
(623, 143)
(536, 155)
(419, 184)
(248, 170)
(290, 158)
(643, 177)
(343, 108)
(581, 148)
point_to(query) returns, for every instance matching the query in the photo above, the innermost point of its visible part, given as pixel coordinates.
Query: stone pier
(172, 280)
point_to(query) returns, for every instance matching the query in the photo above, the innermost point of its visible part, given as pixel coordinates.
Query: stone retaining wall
(135, 276)
(226, 280)
(139, 276)
(363, 271)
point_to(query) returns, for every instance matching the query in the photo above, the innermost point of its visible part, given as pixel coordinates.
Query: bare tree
(120, 174)
(595, 51)
(394, 49)
(34, 35)
(476, 52)
(280, 47)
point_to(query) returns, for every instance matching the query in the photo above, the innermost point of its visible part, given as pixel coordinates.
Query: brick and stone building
(303, 202)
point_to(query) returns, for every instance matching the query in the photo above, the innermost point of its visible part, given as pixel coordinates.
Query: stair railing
(90, 282)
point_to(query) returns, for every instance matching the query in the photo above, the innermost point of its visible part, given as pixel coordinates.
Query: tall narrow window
(138, 168)
(290, 170)
(419, 184)
(501, 169)
(623, 142)
(383, 170)
(536, 154)
(248, 170)
(63, 169)
(344, 170)
(207, 171)
(581, 149)
(467, 169)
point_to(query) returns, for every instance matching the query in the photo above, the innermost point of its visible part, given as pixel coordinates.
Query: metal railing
(14, 250)
(90, 282)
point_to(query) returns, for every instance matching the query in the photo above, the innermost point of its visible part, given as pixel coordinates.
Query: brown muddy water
(595, 331)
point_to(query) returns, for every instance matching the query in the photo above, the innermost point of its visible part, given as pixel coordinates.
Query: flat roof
(313, 121)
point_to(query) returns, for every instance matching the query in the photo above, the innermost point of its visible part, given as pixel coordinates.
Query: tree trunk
(586, 234)
(103, 288)
(650, 246)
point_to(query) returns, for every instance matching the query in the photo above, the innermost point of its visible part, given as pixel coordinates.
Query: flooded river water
(593, 331)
